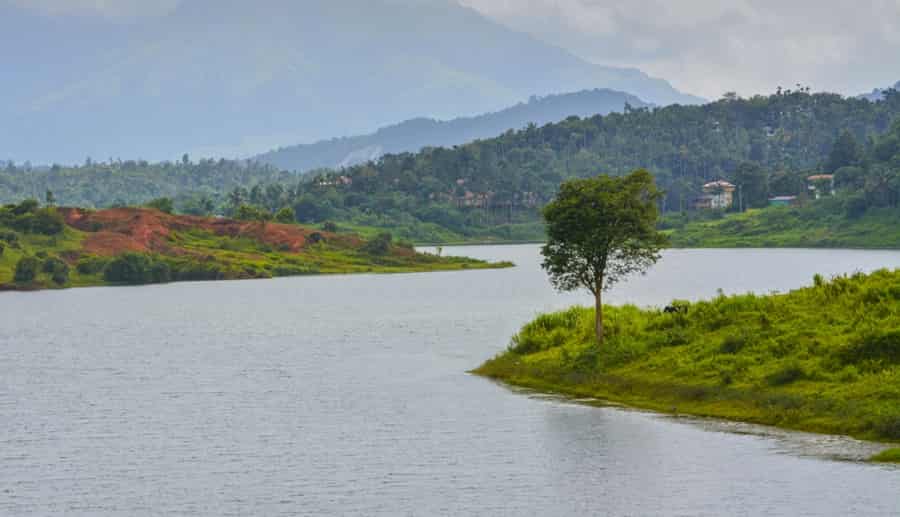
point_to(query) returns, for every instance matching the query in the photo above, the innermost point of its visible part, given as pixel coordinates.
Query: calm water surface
(348, 396)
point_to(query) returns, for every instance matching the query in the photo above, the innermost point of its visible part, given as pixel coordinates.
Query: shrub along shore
(825, 358)
(44, 248)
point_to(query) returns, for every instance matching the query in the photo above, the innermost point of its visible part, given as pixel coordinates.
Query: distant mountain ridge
(878, 93)
(238, 77)
(413, 135)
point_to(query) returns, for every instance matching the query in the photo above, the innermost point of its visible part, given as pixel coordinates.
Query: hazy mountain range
(413, 135)
(878, 93)
(239, 77)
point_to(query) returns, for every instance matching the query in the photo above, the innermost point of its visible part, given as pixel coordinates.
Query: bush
(46, 221)
(380, 245)
(91, 265)
(9, 237)
(788, 374)
(285, 216)
(547, 331)
(57, 269)
(160, 273)
(27, 206)
(733, 344)
(888, 427)
(315, 238)
(26, 270)
(856, 206)
(876, 346)
(251, 213)
(163, 204)
(195, 270)
(136, 269)
(330, 227)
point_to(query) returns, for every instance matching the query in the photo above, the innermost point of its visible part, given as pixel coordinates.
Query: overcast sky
(708, 47)
(705, 47)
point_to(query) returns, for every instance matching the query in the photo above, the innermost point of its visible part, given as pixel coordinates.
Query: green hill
(68, 247)
(494, 188)
(413, 135)
(825, 358)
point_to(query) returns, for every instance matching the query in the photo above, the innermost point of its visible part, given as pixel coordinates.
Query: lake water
(347, 395)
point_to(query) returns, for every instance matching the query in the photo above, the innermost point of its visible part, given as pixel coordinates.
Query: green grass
(824, 358)
(888, 456)
(68, 243)
(822, 224)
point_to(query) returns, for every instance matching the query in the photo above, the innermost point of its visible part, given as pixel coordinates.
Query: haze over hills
(878, 93)
(239, 77)
(413, 135)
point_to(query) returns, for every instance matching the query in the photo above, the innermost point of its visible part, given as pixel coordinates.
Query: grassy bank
(888, 456)
(824, 358)
(823, 224)
(79, 248)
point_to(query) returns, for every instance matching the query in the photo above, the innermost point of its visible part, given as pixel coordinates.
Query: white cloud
(705, 47)
(709, 46)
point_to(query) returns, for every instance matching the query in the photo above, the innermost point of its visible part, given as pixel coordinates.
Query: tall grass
(823, 358)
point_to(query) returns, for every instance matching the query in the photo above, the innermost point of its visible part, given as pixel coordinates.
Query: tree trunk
(598, 321)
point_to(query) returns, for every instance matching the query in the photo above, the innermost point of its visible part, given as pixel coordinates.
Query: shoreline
(610, 398)
(822, 359)
(462, 266)
(544, 391)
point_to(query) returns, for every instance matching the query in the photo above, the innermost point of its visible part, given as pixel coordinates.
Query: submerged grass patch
(825, 358)
(888, 456)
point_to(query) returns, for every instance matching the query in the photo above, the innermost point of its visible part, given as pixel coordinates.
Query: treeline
(413, 135)
(767, 144)
(196, 186)
(684, 146)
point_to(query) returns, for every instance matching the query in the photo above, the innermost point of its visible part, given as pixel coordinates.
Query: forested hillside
(767, 144)
(413, 135)
(878, 93)
(133, 182)
(861, 213)
(495, 187)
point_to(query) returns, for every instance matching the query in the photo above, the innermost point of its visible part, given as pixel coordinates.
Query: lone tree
(600, 230)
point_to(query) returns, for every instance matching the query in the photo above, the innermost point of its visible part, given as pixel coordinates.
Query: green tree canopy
(163, 204)
(26, 270)
(285, 216)
(601, 230)
(753, 182)
(845, 153)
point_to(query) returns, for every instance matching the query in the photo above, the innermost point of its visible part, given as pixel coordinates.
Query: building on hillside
(332, 181)
(474, 199)
(717, 195)
(784, 201)
(821, 185)
(704, 202)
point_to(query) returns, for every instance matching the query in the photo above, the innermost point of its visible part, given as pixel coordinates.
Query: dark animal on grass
(675, 309)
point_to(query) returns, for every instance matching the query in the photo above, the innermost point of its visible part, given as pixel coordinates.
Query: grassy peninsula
(42, 248)
(821, 224)
(825, 358)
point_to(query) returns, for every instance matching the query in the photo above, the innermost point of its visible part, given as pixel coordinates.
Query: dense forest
(495, 187)
(768, 145)
(196, 186)
(413, 135)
